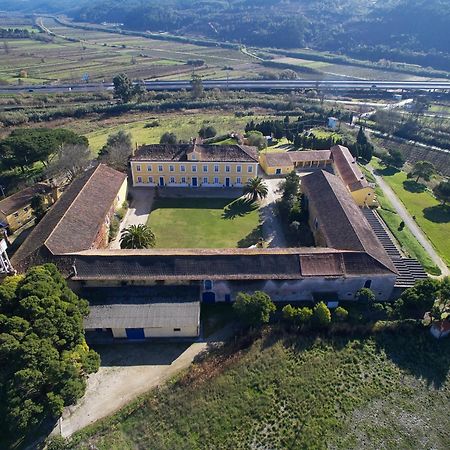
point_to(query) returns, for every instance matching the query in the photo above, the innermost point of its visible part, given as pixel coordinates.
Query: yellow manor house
(193, 165)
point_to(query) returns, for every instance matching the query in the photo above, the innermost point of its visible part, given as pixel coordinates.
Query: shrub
(153, 124)
(114, 228)
(340, 314)
(254, 309)
(321, 315)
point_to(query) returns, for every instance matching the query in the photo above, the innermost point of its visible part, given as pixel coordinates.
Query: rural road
(410, 222)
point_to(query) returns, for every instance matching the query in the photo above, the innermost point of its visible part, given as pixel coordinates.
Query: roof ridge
(366, 250)
(71, 204)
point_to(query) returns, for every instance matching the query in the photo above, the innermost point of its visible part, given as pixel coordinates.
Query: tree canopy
(44, 358)
(24, 147)
(254, 309)
(423, 169)
(137, 236)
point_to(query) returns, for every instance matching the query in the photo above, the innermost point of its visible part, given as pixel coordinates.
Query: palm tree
(256, 189)
(137, 236)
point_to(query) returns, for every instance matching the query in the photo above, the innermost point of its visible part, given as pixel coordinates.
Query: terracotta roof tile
(178, 152)
(22, 198)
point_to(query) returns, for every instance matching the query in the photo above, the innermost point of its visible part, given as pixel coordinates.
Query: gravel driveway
(138, 212)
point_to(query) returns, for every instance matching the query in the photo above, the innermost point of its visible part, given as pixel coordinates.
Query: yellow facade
(365, 196)
(23, 215)
(273, 170)
(192, 173)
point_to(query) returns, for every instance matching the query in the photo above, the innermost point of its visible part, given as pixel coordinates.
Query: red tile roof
(347, 168)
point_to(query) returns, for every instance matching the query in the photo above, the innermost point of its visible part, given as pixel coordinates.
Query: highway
(249, 85)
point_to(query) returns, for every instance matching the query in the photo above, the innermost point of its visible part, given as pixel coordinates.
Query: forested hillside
(411, 31)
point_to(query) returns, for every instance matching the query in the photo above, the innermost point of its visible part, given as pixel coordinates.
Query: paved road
(410, 222)
(250, 85)
(127, 371)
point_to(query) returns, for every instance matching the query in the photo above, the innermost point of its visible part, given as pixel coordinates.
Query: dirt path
(127, 371)
(410, 222)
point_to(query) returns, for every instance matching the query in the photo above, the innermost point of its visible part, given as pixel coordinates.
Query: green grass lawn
(431, 216)
(405, 238)
(204, 223)
(298, 392)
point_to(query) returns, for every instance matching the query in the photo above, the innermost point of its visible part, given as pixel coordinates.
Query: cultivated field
(296, 393)
(204, 223)
(101, 55)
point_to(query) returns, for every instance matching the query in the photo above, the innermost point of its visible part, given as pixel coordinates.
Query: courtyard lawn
(300, 392)
(205, 223)
(431, 216)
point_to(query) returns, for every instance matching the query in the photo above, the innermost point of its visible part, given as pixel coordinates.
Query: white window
(227, 168)
(238, 180)
(160, 168)
(139, 179)
(183, 179)
(16, 214)
(183, 168)
(149, 168)
(172, 179)
(205, 168)
(238, 169)
(194, 168)
(138, 168)
(150, 179)
(216, 180)
(171, 168)
(25, 209)
(205, 180)
(216, 168)
(250, 169)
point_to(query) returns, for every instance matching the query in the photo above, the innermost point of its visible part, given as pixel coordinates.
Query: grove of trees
(44, 359)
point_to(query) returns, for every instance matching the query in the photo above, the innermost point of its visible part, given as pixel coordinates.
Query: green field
(432, 217)
(204, 223)
(299, 392)
(185, 126)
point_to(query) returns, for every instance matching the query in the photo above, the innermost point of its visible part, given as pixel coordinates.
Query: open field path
(410, 222)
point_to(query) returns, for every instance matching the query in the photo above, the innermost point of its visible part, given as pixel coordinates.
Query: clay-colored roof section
(73, 223)
(287, 159)
(208, 153)
(347, 168)
(222, 264)
(340, 220)
(22, 198)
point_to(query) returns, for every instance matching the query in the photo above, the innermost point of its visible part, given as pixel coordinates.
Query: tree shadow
(414, 186)
(418, 353)
(252, 238)
(437, 214)
(387, 171)
(239, 208)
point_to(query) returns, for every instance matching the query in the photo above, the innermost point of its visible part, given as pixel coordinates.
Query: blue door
(194, 182)
(209, 297)
(227, 182)
(135, 333)
(161, 181)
